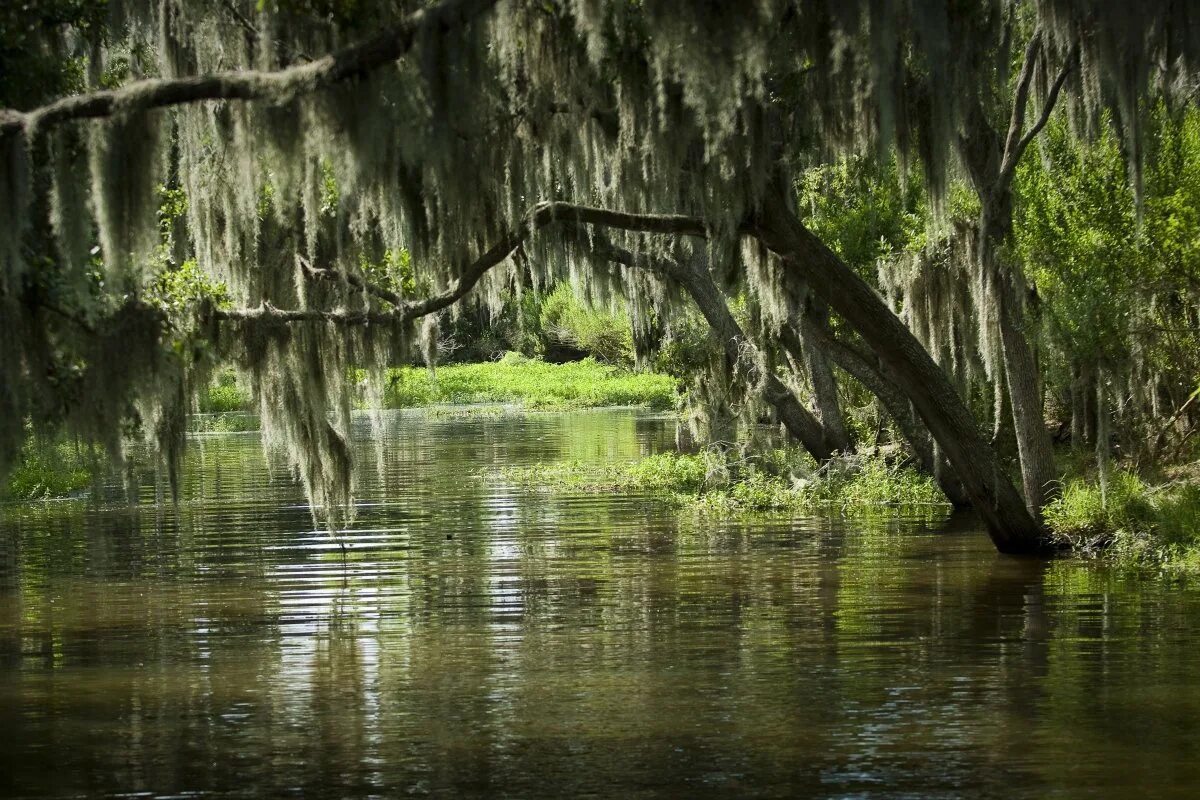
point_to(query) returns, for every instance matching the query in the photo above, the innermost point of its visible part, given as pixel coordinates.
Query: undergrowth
(712, 483)
(532, 383)
(48, 469)
(1132, 523)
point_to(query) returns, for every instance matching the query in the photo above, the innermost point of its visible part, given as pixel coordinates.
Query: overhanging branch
(538, 217)
(349, 62)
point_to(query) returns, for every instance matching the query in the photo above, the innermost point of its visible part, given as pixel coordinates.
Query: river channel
(484, 640)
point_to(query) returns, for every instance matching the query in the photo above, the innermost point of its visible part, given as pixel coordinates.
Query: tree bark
(820, 374)
(699, 285)
(858, 365)
(1034, 448)
(1012, 528)
(798, 420)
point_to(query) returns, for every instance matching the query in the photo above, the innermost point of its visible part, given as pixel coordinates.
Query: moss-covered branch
(341, 65)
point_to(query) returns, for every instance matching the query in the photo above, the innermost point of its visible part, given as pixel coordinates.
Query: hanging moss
(647, 107)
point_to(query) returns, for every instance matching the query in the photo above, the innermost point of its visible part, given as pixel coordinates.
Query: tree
(473, 133)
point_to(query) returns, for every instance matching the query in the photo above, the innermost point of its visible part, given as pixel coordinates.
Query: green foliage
(224, 395)
(184, 287)
(859, 486)
(1134, 523)
(604, 335)
(665, 472)
(47, 470)
(1076, 232)
(393, 272)
(1083, 509)
(862, 211)
(533, 383)
(33, 67)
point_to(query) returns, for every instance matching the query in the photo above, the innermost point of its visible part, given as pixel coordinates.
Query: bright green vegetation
(1132, 522)
(532, 383)
(710, 483)
(47, 470)
(514, 379)
(224, 396)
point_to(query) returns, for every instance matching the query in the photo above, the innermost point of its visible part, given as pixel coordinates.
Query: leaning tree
(646, 151)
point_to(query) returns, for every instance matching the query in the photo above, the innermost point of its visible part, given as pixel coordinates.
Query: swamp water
(485, 641)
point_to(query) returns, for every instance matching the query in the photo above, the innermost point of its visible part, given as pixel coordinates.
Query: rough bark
(700, 286)
(1012, 528)
(1034, 446)
(991, 164)
(859, 366)
(820, 374)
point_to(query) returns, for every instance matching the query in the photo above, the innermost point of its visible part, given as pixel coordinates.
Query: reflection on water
(479, 640)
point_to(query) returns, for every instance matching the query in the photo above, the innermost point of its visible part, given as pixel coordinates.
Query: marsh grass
(532, 383)
(710, 483)
(1134, 523)
(47, 470)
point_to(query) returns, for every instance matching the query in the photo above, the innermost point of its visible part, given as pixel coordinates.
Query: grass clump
(1132, 523)
(530, 382)
(713, 483)
(666, 472)
(850, 485)
(48, 470)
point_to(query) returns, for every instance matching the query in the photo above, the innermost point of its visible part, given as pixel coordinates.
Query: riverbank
(1132, 523)
(776, 481)
(526, 382)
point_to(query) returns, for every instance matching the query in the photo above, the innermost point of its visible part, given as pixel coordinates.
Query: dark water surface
(482, 641)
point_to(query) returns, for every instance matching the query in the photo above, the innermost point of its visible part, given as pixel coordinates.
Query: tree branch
(1014, 151)
(336, 276)
(538, 217)
(1017, 121)
(349, 62)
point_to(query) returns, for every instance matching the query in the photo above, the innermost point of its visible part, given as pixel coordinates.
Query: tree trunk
(1102, 436)
(1078, 407)
(1034, 447)
(1012, 528)
(858, 366)
(824, 385)
(798, 420)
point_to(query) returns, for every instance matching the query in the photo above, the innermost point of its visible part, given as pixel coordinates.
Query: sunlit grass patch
(706, 482)
(532, 383)
(1132, 523)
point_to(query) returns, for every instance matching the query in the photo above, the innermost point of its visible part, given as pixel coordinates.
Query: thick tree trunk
(1012, 528)
(1034, 447)
(859, 366)
(798, 420)
(824, 384)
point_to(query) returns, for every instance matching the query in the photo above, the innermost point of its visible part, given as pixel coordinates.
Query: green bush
(224, 395)
(605, 336)
(1083, 510)
(1134, 524)
(46, 470)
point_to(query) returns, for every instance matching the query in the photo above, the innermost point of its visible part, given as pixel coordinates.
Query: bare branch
(1017, 122)
(335, 276)
(350, 62)
(1009, 166)
(1013, 152)
(241, 19)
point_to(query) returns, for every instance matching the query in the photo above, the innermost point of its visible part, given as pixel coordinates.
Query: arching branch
(349, 62)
